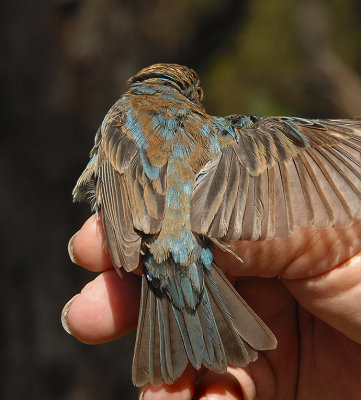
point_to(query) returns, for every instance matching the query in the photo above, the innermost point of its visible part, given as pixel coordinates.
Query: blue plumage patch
(207, 257)
(151, 171)
(135, 130)
(166, 126)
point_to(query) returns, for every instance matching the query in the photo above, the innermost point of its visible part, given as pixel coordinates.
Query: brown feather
(123, 241)
(292, 172)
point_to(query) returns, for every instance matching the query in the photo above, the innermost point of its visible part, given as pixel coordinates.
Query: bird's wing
(130, 202)
(278, 174)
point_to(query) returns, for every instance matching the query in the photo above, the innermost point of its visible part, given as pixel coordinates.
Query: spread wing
(129, 201)
(280, 173)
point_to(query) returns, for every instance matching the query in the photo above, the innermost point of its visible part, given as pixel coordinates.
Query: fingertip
(219, 386)
(181, 389)
(88, 246)
(106, 309)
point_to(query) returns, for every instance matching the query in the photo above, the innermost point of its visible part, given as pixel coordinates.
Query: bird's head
(180, 77)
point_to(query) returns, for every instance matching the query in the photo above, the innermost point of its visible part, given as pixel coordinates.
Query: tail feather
(237, 351)
(172, 355)
(147, 347)
(223, 329)
(215, 355)
(154, 350)
(246, 322)
(159, 354)
(191, 331)
(165, 339)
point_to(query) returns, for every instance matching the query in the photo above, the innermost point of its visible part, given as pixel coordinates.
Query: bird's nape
(184, 79)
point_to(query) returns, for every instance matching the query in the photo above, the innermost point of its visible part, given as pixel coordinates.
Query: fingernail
(141, 392)
(64, 315)
(71, 249)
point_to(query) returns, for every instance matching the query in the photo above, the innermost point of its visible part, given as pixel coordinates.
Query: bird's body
(170, 180)
(170, 135)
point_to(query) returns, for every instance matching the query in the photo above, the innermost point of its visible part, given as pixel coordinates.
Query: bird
(171, 182)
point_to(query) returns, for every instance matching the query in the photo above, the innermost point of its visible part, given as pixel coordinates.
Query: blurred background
(63, 64)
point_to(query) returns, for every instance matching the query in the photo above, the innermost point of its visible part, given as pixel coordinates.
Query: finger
(309, 252)
(334, 296)
(258, 380)
(88, 246)
(273, 303)
(182, 389)
(219, 386)
(105, 309)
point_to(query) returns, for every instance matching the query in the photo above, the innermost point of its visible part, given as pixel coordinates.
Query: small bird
(170, 181)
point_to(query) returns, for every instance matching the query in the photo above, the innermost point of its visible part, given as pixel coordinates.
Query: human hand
(310, 301)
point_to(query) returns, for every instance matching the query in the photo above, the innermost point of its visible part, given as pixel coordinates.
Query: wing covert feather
(129, 200)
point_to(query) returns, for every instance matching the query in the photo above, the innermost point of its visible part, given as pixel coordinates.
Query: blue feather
(151, 171)
(207, 257)
(165, 126)
(135, 130)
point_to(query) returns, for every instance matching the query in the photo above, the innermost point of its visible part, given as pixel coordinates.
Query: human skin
(306, 288)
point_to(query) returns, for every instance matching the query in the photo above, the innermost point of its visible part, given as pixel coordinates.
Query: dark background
(63, 64)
